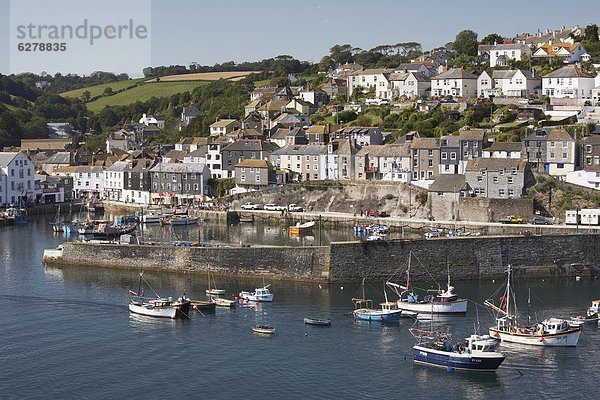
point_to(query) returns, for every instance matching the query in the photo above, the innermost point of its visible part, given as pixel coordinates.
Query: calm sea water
(67, 334)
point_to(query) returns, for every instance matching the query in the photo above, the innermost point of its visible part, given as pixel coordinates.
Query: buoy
(306, 334)
(577, 278)
(493, 281)
(341, 288)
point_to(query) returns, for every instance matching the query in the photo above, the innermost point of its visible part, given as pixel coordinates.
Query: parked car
(433, 234)
(511, 219)
(295, 208)
(250, 206)
(377, 213)
(540, 221)
(273, 207)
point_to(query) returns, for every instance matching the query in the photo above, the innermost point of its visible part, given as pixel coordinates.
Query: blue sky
(207, 32)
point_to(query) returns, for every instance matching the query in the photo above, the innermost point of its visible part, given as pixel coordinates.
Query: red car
(377, 213)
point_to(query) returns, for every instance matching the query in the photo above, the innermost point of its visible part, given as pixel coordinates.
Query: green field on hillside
(97, 90)
(144, 92)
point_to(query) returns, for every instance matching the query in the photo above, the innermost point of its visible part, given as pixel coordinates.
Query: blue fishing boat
(363, 309)
(477, 353)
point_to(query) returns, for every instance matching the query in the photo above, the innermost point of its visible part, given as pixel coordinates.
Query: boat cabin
(481, 344)
(447, 296)
(552, 326)
(595, 308)
(389, 306)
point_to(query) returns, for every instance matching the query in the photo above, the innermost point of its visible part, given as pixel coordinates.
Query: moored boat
(387, 311)
(592, 315)
(477, 353)
(159, 307)
(260, 294)
(223, 302)
(436, 302)
(302, 228)
(550, 332)
(178, 220)
(206, 306)
(317, 321)
(264, 329)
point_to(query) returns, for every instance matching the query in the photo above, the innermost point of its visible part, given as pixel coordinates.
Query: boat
(222, 302)
(549, 332)
(178, 220)
(374, 237)
(436, 302)
(477, 353)
(206, 306)
(104, 231)
(387, 311)
(259, 294)
(592, 315)
(19, 215)
(317, 321)
(159, 307)
(302, 228)
(213, 290)
(264, 329)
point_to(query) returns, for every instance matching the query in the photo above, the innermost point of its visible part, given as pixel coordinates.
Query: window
(501, 192)
(243, 178)
(453, 156)
(315, 167)
(174, 178)
(495, 179)
(195, 186)
(501, 171)
(430, 153)
(509, 180)
(479, 178)
(560, 166)
(193, 177)
(552, 144)
(430, 164)
(511, 192)
(257, 178)
(565, 155)
(444, 156)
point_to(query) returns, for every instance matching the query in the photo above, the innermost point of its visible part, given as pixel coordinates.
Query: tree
(86, 96)
(466, 43)
(492, 38)
(107, 91)
(591, 33)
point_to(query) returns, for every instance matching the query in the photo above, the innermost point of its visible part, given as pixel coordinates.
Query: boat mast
(508, 292)
(408, 272)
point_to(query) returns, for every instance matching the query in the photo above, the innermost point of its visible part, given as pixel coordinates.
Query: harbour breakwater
(466, 258)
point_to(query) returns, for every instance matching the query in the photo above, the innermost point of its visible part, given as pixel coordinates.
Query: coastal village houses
(17, 179)
(456, 82)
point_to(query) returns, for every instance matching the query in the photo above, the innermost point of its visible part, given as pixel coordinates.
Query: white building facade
(17, 179)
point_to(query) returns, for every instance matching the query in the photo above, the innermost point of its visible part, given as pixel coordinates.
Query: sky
(209, 32)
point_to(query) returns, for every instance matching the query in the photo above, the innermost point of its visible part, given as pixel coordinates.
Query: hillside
(144, 92)
(556, 197)
(97, 90)
(206, 76)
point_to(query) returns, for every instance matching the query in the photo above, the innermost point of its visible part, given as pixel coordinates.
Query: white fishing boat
(264, 329)
(152, 217)
(549, 332)
(222, 302)
(592, 315)
(387, 311)
(159, 307)
(436, 301)
(262, 294)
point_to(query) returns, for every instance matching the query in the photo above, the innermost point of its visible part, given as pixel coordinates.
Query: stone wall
(467, 258)
(491, 210)
(293, 263)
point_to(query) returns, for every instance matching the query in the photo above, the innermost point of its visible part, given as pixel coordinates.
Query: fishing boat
(435, 302)
(213, 290)
(477, 353)
(222, 302)
(205, 306)
(317, 321)
(264, 329)
(178, 220)
(592, 315)
(19, 215)
(363, 309)
(550, 332)
(302, 228)
(260, 294)
(105, 231)
(159, 307)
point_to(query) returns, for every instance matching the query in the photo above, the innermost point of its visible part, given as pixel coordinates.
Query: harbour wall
(467, 258)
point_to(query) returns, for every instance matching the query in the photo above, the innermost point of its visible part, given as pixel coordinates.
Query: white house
(567, 52)
(88, 179)
(409, 84)
(501, 54)
(148, 120)
(568, 82)
(507, 83)
(17, 179)
(456, 82)
(224, 126)
(589, 177)
(503, 150)
(114, 182)
(371, 79)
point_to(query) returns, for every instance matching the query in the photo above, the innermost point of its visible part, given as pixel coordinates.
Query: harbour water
(68, 334)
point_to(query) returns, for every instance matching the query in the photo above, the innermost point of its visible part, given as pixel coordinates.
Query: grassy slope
(144, 92)
(99, 89)
(557, 196)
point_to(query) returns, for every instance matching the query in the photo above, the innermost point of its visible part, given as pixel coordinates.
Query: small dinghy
(317, 321)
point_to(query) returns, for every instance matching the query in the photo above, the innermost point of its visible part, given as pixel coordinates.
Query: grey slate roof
(6, 157)
(455, 73)
(449, 183)
(568, 71)
(178, 168)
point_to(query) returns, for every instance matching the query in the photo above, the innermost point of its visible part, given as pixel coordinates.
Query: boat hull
(454, 307)
(456, 361)
(253, 297)
(365, 314)
(176, 311)
(317, 321)
(565, 339)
